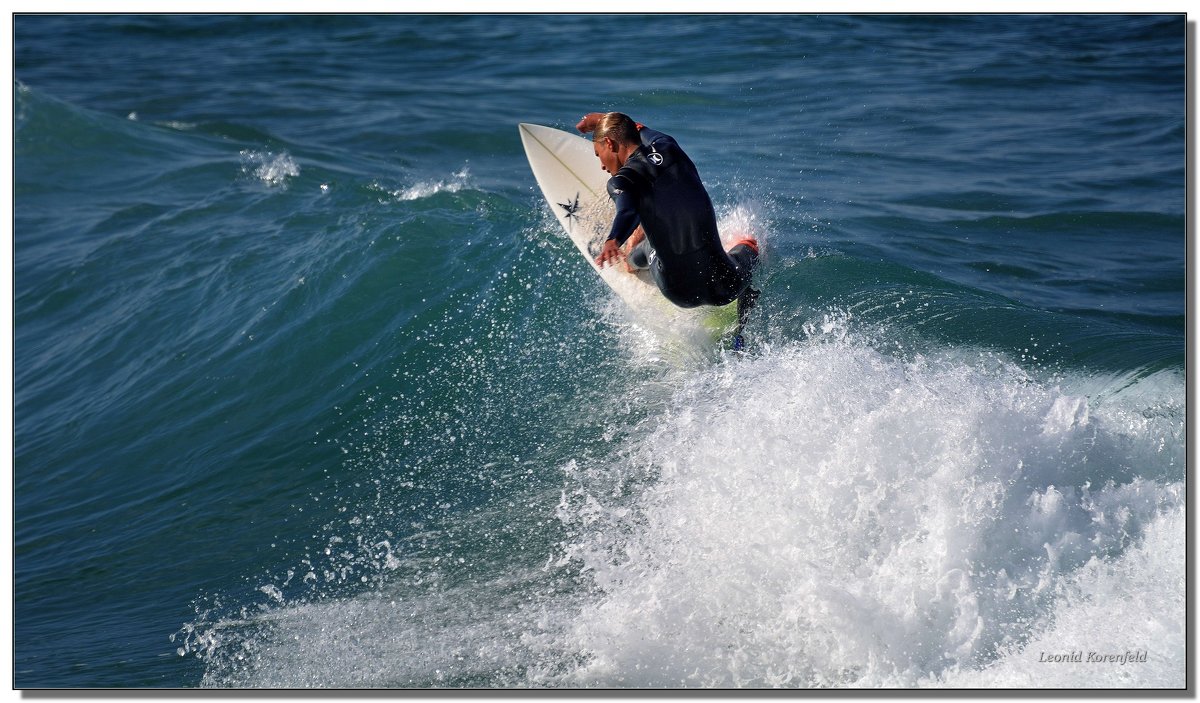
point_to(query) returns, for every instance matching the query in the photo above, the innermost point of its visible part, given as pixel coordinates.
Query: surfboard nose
(525, 129)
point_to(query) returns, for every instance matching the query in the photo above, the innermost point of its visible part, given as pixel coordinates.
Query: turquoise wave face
(309, 390)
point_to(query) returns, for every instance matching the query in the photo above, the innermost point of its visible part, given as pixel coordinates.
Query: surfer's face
(607, 152)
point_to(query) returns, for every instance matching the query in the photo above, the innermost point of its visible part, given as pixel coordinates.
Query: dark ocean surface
(312, 391)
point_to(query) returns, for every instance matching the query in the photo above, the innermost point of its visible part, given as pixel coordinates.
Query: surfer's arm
(588, 122)
(626, 220)
(624, 223)
(623, 226)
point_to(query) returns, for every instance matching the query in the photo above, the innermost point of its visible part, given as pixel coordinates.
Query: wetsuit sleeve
(626, 219)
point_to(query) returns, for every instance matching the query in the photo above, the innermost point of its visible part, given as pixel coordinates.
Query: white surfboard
(570, 176)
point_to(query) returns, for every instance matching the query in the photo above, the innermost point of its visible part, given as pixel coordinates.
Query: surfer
(665, 213)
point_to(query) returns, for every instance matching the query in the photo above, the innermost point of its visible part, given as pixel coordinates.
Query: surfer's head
(618, 126)
(615, 137)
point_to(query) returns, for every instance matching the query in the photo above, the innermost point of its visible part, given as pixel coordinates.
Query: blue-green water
(310, 390)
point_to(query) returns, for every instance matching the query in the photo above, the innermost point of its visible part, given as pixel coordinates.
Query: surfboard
(574, 185)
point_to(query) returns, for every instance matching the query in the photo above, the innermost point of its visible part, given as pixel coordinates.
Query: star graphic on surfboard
(572, 208)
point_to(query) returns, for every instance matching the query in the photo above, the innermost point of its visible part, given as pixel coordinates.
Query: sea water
(310, 390)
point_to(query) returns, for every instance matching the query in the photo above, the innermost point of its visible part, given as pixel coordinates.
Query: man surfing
(659, 196)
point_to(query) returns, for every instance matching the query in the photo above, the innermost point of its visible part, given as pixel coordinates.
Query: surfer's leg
(745, 256)
(745, 303)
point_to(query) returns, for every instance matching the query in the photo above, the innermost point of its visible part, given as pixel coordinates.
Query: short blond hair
(617, 125)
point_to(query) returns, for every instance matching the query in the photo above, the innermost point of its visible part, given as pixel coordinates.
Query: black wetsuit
(660, 188)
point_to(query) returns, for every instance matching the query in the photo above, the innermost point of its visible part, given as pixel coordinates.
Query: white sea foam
(1116, 624)
(828, 516)
(741, 220)
(819, 515)
(269, 167)
(424, 189)
(469, 632)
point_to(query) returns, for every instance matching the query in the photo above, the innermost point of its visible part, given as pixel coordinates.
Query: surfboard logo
(571, 208)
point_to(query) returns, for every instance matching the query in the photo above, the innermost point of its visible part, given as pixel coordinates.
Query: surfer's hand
(611, 251)
(588, 122)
